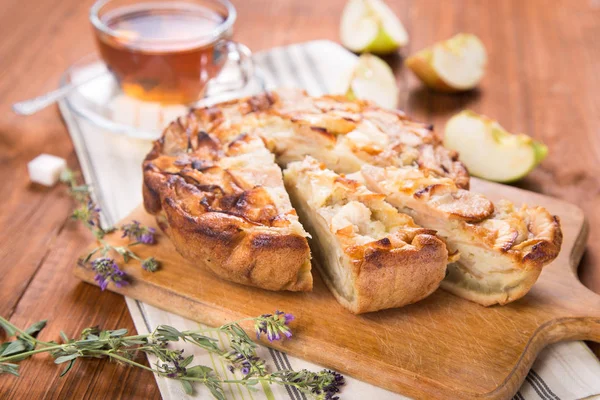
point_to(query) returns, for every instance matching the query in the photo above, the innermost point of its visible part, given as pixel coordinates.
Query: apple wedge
(453, 65)
(371, 26)
(489, 151)
(370, 79)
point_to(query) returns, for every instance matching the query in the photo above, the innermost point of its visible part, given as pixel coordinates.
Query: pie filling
(346, 221)
(498, 246)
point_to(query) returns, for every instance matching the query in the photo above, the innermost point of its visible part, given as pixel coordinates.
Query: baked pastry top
(370, 255)
(220, 198)
(342, 134)
(214, 182)
(502, 248)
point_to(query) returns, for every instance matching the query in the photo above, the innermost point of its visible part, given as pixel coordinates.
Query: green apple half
(453, 65)
(371, 79)
(370, 26)
(489, 151)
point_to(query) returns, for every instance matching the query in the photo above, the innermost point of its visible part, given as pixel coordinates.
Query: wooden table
(542, 79)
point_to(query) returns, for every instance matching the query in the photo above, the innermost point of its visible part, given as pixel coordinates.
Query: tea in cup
(169, 51)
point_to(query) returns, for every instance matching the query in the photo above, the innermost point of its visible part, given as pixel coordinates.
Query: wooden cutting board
(442, 347)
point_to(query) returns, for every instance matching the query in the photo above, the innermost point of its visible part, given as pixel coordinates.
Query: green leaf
(10, 331)
(198, 336)
(3, 346)
(66, 358)
(132, 342)
(186, 362)
(16, 347)
(90, 254)
(216, 389)
(9, 368)
(239, 331)
(187, 387)
(64, 337)
(168, 333)
(68, 368)
(35, 328)
(207, 344)
(118, 332)
(199, 371)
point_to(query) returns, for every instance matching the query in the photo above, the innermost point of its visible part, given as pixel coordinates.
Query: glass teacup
(169, 51)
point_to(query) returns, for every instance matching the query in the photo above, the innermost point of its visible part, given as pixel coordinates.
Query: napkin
(111, 164)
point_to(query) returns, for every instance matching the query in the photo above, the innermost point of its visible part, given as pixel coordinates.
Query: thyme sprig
(172, 363)
(88, 213)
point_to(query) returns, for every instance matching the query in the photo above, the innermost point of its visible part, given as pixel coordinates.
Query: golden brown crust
(388, 278)
(216, 241)
(502, 248)
(220, 198)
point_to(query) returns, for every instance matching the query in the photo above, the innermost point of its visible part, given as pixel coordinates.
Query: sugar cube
(45, 169)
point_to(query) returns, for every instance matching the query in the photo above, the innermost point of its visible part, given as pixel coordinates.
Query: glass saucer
(101, 102)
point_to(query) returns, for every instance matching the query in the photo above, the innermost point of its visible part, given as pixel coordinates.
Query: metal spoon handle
(31, 106)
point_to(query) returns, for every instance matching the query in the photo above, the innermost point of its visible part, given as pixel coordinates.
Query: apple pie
(214, 182)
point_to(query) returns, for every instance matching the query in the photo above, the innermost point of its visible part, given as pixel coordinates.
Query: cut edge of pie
(371, 256)
(502, 249)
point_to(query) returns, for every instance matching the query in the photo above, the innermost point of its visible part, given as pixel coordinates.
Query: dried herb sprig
(171, 363)
(88, 213)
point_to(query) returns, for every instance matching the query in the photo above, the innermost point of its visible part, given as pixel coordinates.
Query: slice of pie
(371, 256)
(502, 248)
(220, 198)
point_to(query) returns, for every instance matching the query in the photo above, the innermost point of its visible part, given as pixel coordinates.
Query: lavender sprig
(172, 363)
(136, 232)
(105, 267)
(87, 211)
(273, 325)
(108, 271)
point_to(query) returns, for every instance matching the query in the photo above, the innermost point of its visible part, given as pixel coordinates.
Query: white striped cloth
(111, 164)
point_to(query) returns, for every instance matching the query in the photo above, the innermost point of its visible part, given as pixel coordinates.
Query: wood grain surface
(442, 347)
(542, 79)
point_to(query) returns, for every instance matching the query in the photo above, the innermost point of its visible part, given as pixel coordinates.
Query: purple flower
(135, 231)
(333, 388)
(260, 327)
(273, 325)
(101, 281)
(245, 370)
(272, 335)
(148, 237)
(288, 318)
(108, 271)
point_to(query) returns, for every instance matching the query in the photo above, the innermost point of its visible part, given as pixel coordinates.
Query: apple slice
(453, 65)
(371, 26)
(489, 151)
(372, 79)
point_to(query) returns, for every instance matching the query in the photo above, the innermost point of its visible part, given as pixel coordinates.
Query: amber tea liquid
(159, 51)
